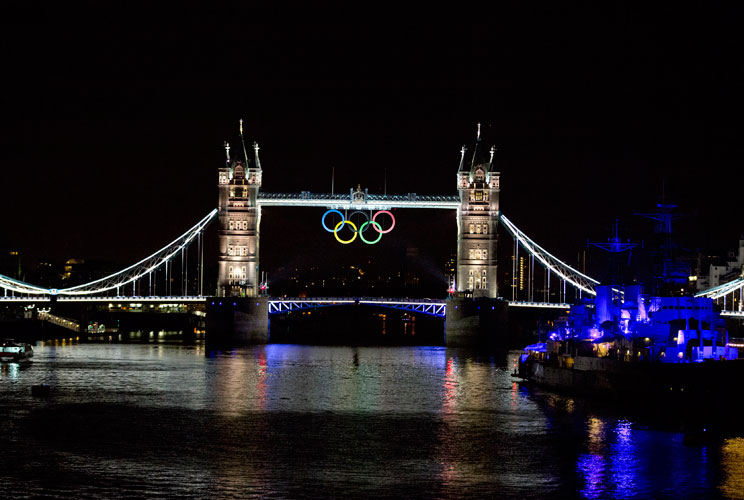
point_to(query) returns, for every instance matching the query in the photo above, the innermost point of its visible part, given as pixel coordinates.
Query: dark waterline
(287, 421)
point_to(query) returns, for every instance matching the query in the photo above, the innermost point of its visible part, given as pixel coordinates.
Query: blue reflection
(611, 466)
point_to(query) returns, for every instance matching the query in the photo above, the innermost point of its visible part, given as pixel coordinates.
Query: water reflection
(291, 421)
(9, 371)
(732, 464)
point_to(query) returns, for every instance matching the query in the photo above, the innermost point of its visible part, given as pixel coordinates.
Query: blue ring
(322, 221)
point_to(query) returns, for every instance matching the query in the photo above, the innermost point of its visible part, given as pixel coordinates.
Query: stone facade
(477, 225)
(239, 223)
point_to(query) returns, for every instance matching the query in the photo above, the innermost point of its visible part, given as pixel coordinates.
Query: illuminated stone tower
(477, 223)
(239, 221)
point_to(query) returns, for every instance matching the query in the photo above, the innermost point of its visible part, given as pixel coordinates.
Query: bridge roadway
(277, 305)
(434, 307)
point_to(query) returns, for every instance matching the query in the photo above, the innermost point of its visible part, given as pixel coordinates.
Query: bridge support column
(237, 321)
(481, 323)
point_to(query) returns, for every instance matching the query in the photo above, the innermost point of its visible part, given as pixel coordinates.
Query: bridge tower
(477, 223)
(239, 221)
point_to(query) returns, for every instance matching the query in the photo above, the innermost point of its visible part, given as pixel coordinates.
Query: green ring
(379, 234)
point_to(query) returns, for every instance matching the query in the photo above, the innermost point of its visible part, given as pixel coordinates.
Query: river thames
(162, 420)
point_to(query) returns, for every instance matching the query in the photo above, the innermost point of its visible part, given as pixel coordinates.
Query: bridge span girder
(433, 307)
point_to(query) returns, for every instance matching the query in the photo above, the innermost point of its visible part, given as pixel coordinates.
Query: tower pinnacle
(255, 151)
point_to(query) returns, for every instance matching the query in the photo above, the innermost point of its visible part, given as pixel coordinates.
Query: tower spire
(462, 158)
(255, 151)
(490, 162)
(242, 141)
(478, 153)
(227, 153)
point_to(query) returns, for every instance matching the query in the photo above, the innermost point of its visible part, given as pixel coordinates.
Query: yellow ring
(335, 232)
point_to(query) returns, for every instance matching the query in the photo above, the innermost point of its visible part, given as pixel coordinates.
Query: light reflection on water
(300, 421)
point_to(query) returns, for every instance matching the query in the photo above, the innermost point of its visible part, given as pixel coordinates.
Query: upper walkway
(357, 200)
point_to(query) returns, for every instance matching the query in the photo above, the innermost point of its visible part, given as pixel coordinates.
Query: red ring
(375, 217)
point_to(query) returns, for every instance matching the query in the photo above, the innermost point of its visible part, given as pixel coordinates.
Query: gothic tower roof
(482, 155)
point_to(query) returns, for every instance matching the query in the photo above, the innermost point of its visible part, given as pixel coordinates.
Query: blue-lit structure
(626, 342)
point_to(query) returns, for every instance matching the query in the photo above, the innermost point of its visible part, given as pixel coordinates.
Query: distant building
(720, 271)
(10, 263)
(450, 270)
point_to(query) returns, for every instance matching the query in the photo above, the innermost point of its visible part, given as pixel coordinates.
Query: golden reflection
(450, 471)
(240, 382)
(596, 429)
(732, 463)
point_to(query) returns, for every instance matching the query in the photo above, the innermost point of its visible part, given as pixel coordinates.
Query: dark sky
(113, 119)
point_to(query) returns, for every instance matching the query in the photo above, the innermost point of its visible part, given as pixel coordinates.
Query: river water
(288, 421)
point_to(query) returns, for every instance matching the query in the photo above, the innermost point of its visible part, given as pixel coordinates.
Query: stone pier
(237, 321)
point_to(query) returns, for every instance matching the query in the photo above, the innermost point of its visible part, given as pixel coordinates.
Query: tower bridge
(239, 281)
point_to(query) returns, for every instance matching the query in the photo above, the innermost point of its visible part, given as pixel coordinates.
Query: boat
(666, 349)
(13, 352)
(625, 343)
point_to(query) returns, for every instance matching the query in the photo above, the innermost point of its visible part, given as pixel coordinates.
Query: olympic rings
(335, 231)
(376, 226)
(362, 228)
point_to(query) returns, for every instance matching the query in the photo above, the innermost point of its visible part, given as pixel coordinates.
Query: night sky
(113, 120)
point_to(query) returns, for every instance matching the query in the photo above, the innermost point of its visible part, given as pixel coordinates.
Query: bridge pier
(237, 321)
(480, 322)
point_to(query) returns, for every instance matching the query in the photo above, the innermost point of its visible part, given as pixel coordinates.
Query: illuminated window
(479, 196)
(245, 224)
(472, 254)
(231, 225)
(471, 228)
(478, 229)
(485, 228)
(230, 250)
(484, 255)
(484, 279)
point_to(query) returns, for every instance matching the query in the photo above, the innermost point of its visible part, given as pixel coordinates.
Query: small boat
(13, 352)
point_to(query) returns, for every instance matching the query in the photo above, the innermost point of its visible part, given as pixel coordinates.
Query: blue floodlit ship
(629, 345)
